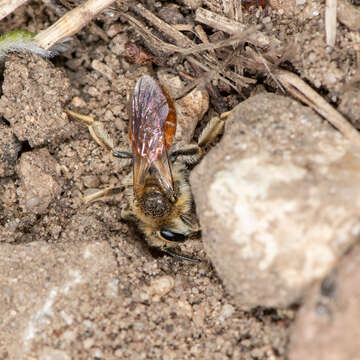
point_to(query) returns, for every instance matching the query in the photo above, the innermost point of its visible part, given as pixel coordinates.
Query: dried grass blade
(221, 43)
(153, 41)
(7, 7)
(330, 22)
(71, 23)
(299, 89)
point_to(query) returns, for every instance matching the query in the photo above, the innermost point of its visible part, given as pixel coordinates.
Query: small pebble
(185, 308)
(77, 102)
(114, 29)
(160, 287)
(91, 181)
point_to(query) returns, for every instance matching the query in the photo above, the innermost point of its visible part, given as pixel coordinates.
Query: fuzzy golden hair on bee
(176, 219)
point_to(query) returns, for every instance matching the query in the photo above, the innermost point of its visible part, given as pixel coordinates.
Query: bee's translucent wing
(151, 132)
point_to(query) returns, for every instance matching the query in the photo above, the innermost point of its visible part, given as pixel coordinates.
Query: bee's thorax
(154, 203)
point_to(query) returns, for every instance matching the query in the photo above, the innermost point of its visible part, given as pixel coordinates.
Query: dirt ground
(195, 318)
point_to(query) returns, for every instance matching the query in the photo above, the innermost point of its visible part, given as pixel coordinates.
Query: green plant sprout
(21, 41)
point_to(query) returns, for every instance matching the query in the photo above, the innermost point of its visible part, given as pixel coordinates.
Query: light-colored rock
(160, 287)
(38, 172)
(278, 200)
(327, 325)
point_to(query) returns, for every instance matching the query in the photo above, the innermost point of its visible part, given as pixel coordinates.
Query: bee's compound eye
(172, 236)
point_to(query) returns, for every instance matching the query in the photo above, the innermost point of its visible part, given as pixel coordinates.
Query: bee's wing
(151, 133)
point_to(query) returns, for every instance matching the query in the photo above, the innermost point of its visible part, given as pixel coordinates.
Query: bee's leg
(102, 193)
(211, 131)
(187, 150)
(100, 135)
(194, 151)
(179, 256)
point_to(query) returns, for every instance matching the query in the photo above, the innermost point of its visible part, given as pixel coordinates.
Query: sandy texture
(79, 277)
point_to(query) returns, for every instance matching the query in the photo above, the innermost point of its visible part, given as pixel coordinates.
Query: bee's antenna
(180, 257)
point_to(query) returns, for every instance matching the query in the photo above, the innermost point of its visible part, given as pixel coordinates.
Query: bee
(160, 199)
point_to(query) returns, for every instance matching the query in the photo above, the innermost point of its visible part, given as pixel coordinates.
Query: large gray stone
(278, 200)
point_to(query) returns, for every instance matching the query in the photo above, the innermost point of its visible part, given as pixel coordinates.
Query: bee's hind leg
(100, 135)
(194, 151)
(212, 129)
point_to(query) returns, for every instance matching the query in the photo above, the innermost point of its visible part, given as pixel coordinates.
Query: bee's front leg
(100, 135)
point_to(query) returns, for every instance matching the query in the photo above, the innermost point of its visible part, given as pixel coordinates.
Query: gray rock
(38, 172)
(278, 200)
(327, 325)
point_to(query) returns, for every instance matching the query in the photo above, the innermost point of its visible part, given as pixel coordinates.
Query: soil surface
(193, 318)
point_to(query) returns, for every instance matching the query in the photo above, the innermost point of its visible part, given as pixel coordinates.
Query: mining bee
(160, 199)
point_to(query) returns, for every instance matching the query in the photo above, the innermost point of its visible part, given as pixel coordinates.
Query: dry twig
(233, 9)
(152, 40)
(203, 37)
(179, 38)
(184, 27)
(185, 46)
(330, 22)
(219, 44)
(232, 27)
(267, 68)
(71, 23)
(299, 89)
(8, 6)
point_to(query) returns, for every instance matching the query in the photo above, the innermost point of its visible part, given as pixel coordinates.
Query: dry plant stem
(330, 22)
(259, 58)
(182, 43)
(8, 6)
(348, 15)
(196, 82)
(244, 35)
(233, 9)
(231, 27)
(71, 23)
(183, 27)
(211, 74)
(218, 22)
(299, 89)
(203, 37)
(150, 38)
(179, 38)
